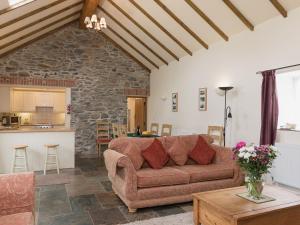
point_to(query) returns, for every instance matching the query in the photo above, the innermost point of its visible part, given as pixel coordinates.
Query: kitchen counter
(35, 129)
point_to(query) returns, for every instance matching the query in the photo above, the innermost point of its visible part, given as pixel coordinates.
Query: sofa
(17, 193)
(147, 187)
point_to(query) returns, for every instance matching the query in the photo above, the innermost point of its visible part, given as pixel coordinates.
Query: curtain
(269, 108)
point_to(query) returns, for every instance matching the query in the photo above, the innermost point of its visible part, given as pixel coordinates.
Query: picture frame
(202, 99)
(175, 102)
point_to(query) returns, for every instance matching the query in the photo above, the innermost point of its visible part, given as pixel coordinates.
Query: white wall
(273, 44)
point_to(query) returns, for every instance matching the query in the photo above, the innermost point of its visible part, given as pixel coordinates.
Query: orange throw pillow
(178, 152)
(155, 155)
(202, 153)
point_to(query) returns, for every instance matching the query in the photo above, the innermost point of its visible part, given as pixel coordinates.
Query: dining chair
(102, 134)
(154, 127)
(115, 130)
(166, 130)
(122, 130)
(216, 132)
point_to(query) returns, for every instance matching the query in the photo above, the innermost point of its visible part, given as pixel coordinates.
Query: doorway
(136, 113)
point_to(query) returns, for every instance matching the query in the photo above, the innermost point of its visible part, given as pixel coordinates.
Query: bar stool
(51, 157)
(20, 154)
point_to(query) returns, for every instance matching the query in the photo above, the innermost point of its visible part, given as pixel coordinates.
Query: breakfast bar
(36, 139)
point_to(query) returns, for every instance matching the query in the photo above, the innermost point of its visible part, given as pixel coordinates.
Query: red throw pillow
(202, 153)
(155, 155)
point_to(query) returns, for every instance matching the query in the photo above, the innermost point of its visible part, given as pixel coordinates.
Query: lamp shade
(226, 88)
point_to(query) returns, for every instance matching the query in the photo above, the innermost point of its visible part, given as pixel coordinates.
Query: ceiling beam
(207, 19)
(133, 35)
(237, 12)
(40, 20)
(88, 9)
(136, 5)
(144, 30)
(38, 30)
(279, 7)
(126, 52)
(131, 46)
(31, 13)
(15, 6)
(37, 38)
(181, 23)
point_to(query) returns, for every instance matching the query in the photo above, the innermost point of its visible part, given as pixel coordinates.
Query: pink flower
(240, 145)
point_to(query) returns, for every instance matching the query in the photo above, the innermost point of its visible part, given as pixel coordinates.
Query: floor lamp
(227, 111)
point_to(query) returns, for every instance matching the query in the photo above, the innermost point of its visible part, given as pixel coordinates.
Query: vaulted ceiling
(154, 32)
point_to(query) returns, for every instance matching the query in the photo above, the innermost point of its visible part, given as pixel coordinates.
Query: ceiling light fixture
(93, 23)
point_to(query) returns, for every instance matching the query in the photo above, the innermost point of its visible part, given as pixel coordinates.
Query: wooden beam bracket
(279, 7)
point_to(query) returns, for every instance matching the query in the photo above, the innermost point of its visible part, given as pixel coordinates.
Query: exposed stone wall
(101, 70)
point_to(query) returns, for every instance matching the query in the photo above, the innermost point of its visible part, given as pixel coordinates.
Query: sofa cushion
(209, 172)
(155, 155)
(25, 218)
(178, 152)
(202, 153)
(135, 155)
(148, 177)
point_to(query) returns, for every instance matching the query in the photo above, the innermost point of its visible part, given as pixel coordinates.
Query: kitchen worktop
(34, 129)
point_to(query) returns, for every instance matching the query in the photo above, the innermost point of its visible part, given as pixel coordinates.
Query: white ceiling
(256, 11)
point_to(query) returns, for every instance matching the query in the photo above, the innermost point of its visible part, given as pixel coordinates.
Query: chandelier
(95, 23)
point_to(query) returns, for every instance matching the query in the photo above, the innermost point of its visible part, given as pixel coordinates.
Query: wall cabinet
(27, 101)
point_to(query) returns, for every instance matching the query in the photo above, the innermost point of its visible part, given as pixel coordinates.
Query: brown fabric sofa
(148, 187)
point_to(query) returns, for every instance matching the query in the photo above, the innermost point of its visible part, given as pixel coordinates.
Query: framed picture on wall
(174, 102)
(203, 99)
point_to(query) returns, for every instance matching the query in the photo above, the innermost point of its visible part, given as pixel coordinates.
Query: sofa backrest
(189, 141)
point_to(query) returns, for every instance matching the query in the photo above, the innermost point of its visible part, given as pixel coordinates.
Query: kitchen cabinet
(29, 101)
(59, 102)
(44, 99)
(4, 99)
(18, 101)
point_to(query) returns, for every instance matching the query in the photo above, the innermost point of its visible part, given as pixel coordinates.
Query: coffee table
(224, 207)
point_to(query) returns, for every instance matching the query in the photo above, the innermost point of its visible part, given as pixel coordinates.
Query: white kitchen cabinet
(29, 101)
(4, 99)
(44, 99)
(18, 100)
(59, 102)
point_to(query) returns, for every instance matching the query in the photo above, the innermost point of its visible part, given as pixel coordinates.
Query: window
(288, 87)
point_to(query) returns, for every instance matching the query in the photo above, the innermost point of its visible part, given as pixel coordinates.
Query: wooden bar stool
(20, 154)
(51, 157)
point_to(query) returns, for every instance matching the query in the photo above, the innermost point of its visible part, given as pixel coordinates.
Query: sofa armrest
(17, 193)
(125, 179)
(225, 155)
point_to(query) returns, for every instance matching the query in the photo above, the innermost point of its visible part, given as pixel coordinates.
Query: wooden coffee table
(224, 207)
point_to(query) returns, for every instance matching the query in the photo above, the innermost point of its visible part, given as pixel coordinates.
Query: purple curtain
(269, 108)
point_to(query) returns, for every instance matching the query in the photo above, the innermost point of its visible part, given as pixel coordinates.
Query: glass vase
(254, 186)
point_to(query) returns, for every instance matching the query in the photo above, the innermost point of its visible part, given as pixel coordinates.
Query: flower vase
(254, 186)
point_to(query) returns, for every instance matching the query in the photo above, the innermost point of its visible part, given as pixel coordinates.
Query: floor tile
(187, 207)
(51, 179)
(107, 185)
(87, 188)
(82, 218)
(141, 214)
(84, 203)
(109, 200)
(168, 210)
(111, 216)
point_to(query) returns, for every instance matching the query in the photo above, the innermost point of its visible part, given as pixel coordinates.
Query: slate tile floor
(83, 196)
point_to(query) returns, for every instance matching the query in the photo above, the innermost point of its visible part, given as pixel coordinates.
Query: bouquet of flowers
(255, 161)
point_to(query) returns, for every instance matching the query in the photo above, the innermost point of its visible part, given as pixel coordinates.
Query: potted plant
(255, 161)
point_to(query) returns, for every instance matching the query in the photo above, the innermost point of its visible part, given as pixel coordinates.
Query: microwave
(11, 120)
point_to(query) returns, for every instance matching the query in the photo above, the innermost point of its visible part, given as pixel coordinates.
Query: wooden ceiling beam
(279, 7)
(126, 52)
(40, 20)
(238, 13)
(15, 6)
(31, 13)
(38, 30)
(88, 9)
(133, 35)
(132, 46)
(181, 23)
(137, 6)
(207, 19)
(144, 30)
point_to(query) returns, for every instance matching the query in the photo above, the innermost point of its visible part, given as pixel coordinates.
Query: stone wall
(102, 72)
